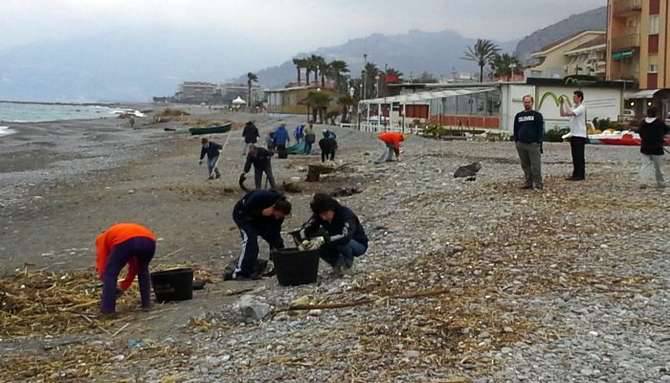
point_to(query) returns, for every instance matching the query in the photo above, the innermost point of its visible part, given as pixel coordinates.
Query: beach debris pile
(45, 303)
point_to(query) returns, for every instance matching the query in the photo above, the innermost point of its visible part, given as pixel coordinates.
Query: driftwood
(314, 172)
(362, 302)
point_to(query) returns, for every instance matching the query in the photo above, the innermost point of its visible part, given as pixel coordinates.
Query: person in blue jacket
(340, 231)
(281, 137)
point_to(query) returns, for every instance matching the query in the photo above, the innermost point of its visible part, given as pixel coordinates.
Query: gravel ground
(465, 281)
(568, 285)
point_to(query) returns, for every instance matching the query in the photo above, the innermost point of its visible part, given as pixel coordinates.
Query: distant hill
(592, 20)
(412, 53)
(121, 66)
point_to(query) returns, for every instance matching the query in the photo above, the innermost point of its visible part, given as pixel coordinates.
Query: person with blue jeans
(339, 229)
(212, 150)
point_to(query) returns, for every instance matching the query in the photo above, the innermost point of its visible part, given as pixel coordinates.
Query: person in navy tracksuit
(259, 213)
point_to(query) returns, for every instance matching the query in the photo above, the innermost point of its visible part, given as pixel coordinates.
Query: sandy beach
(521, 281)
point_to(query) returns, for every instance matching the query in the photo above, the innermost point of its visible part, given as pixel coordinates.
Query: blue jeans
(308, 147)
(213, 166)
(342, 255)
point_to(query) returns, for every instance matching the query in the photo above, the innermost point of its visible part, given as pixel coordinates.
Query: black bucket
(295, 267)
(173, 285)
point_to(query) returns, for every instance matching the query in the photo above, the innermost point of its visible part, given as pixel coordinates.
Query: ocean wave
(6, 131)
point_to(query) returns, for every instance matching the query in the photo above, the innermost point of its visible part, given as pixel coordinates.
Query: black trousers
(577, 145)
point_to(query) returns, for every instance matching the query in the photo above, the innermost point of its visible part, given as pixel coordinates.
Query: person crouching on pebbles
(212, 150)
(121, 244)
(338, 232)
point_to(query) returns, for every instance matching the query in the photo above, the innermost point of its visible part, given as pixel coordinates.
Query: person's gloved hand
(200, 162)
(314, 243)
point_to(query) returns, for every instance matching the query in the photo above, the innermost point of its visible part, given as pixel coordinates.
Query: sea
(42, 112)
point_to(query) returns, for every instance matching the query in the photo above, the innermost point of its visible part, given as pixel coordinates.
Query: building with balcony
(638, 48)
(583, 53)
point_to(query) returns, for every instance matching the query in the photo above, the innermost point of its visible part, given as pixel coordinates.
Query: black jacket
(651, 135)
(211, 151)
(327, 145)
(344, 228)
(250, 134)
(260, 161)
(251, 206)
(528, 127)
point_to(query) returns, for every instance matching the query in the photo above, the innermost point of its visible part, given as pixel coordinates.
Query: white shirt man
(578, 135)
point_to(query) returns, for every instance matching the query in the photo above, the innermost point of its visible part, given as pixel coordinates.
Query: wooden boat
(215, 129)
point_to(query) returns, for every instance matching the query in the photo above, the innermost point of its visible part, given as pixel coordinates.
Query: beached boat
(224, 128)
(622, 138)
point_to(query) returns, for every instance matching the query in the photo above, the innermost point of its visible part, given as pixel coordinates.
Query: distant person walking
(212, 150)
(261, 159)
(652, 133)
(528, 136)
(328, 145)
(310, 138)
(299, 133)
(280, 141)
(251, 135)
(578, 134)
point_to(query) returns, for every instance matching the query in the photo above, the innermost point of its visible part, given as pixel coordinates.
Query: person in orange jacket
(121, 244)
(392, 141)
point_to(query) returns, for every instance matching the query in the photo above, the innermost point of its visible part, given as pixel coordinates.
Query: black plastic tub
(173, 285)
(295, 267)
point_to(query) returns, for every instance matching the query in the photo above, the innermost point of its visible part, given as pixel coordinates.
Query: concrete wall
(600, 103)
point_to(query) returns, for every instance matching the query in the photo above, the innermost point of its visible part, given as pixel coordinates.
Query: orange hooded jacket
(115, 235)
(392, 138)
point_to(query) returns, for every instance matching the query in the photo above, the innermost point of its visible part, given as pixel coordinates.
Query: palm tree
(371, 73)
(345, 102)
(505, 65)
(481, 53)
(337, 69)
(299, 64)
(251, 78)
(317, 102)
(320, 68)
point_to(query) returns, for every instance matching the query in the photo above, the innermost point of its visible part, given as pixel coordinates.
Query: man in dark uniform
(262, 161)
(259, 213)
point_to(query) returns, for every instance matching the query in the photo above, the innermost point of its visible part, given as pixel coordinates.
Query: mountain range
(134, 65)
(411, 53)
(592, 20)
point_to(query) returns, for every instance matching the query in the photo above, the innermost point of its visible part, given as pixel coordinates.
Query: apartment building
(638, 48)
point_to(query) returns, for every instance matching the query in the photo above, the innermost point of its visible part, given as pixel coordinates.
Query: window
(654, 24)
(653, 68)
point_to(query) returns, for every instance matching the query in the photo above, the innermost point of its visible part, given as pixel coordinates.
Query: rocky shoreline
(465, 281)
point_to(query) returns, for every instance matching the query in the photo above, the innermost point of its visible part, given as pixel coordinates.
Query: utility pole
(364, 74)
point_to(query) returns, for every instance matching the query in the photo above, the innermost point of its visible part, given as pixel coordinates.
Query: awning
(622, 55)
(644, 94)
(425, 97)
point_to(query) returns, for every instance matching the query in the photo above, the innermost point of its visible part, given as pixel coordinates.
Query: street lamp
(512, 67)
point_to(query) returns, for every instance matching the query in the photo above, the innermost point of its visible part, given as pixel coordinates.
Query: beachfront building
(638, 49)
(230, 92)
(197, 92)
(580, 54)
(291, 100)
(487, 106)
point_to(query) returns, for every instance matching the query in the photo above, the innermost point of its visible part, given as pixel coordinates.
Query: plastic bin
(173, 285)
(295, 267)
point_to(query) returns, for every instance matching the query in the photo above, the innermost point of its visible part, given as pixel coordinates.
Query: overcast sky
(290, 25)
